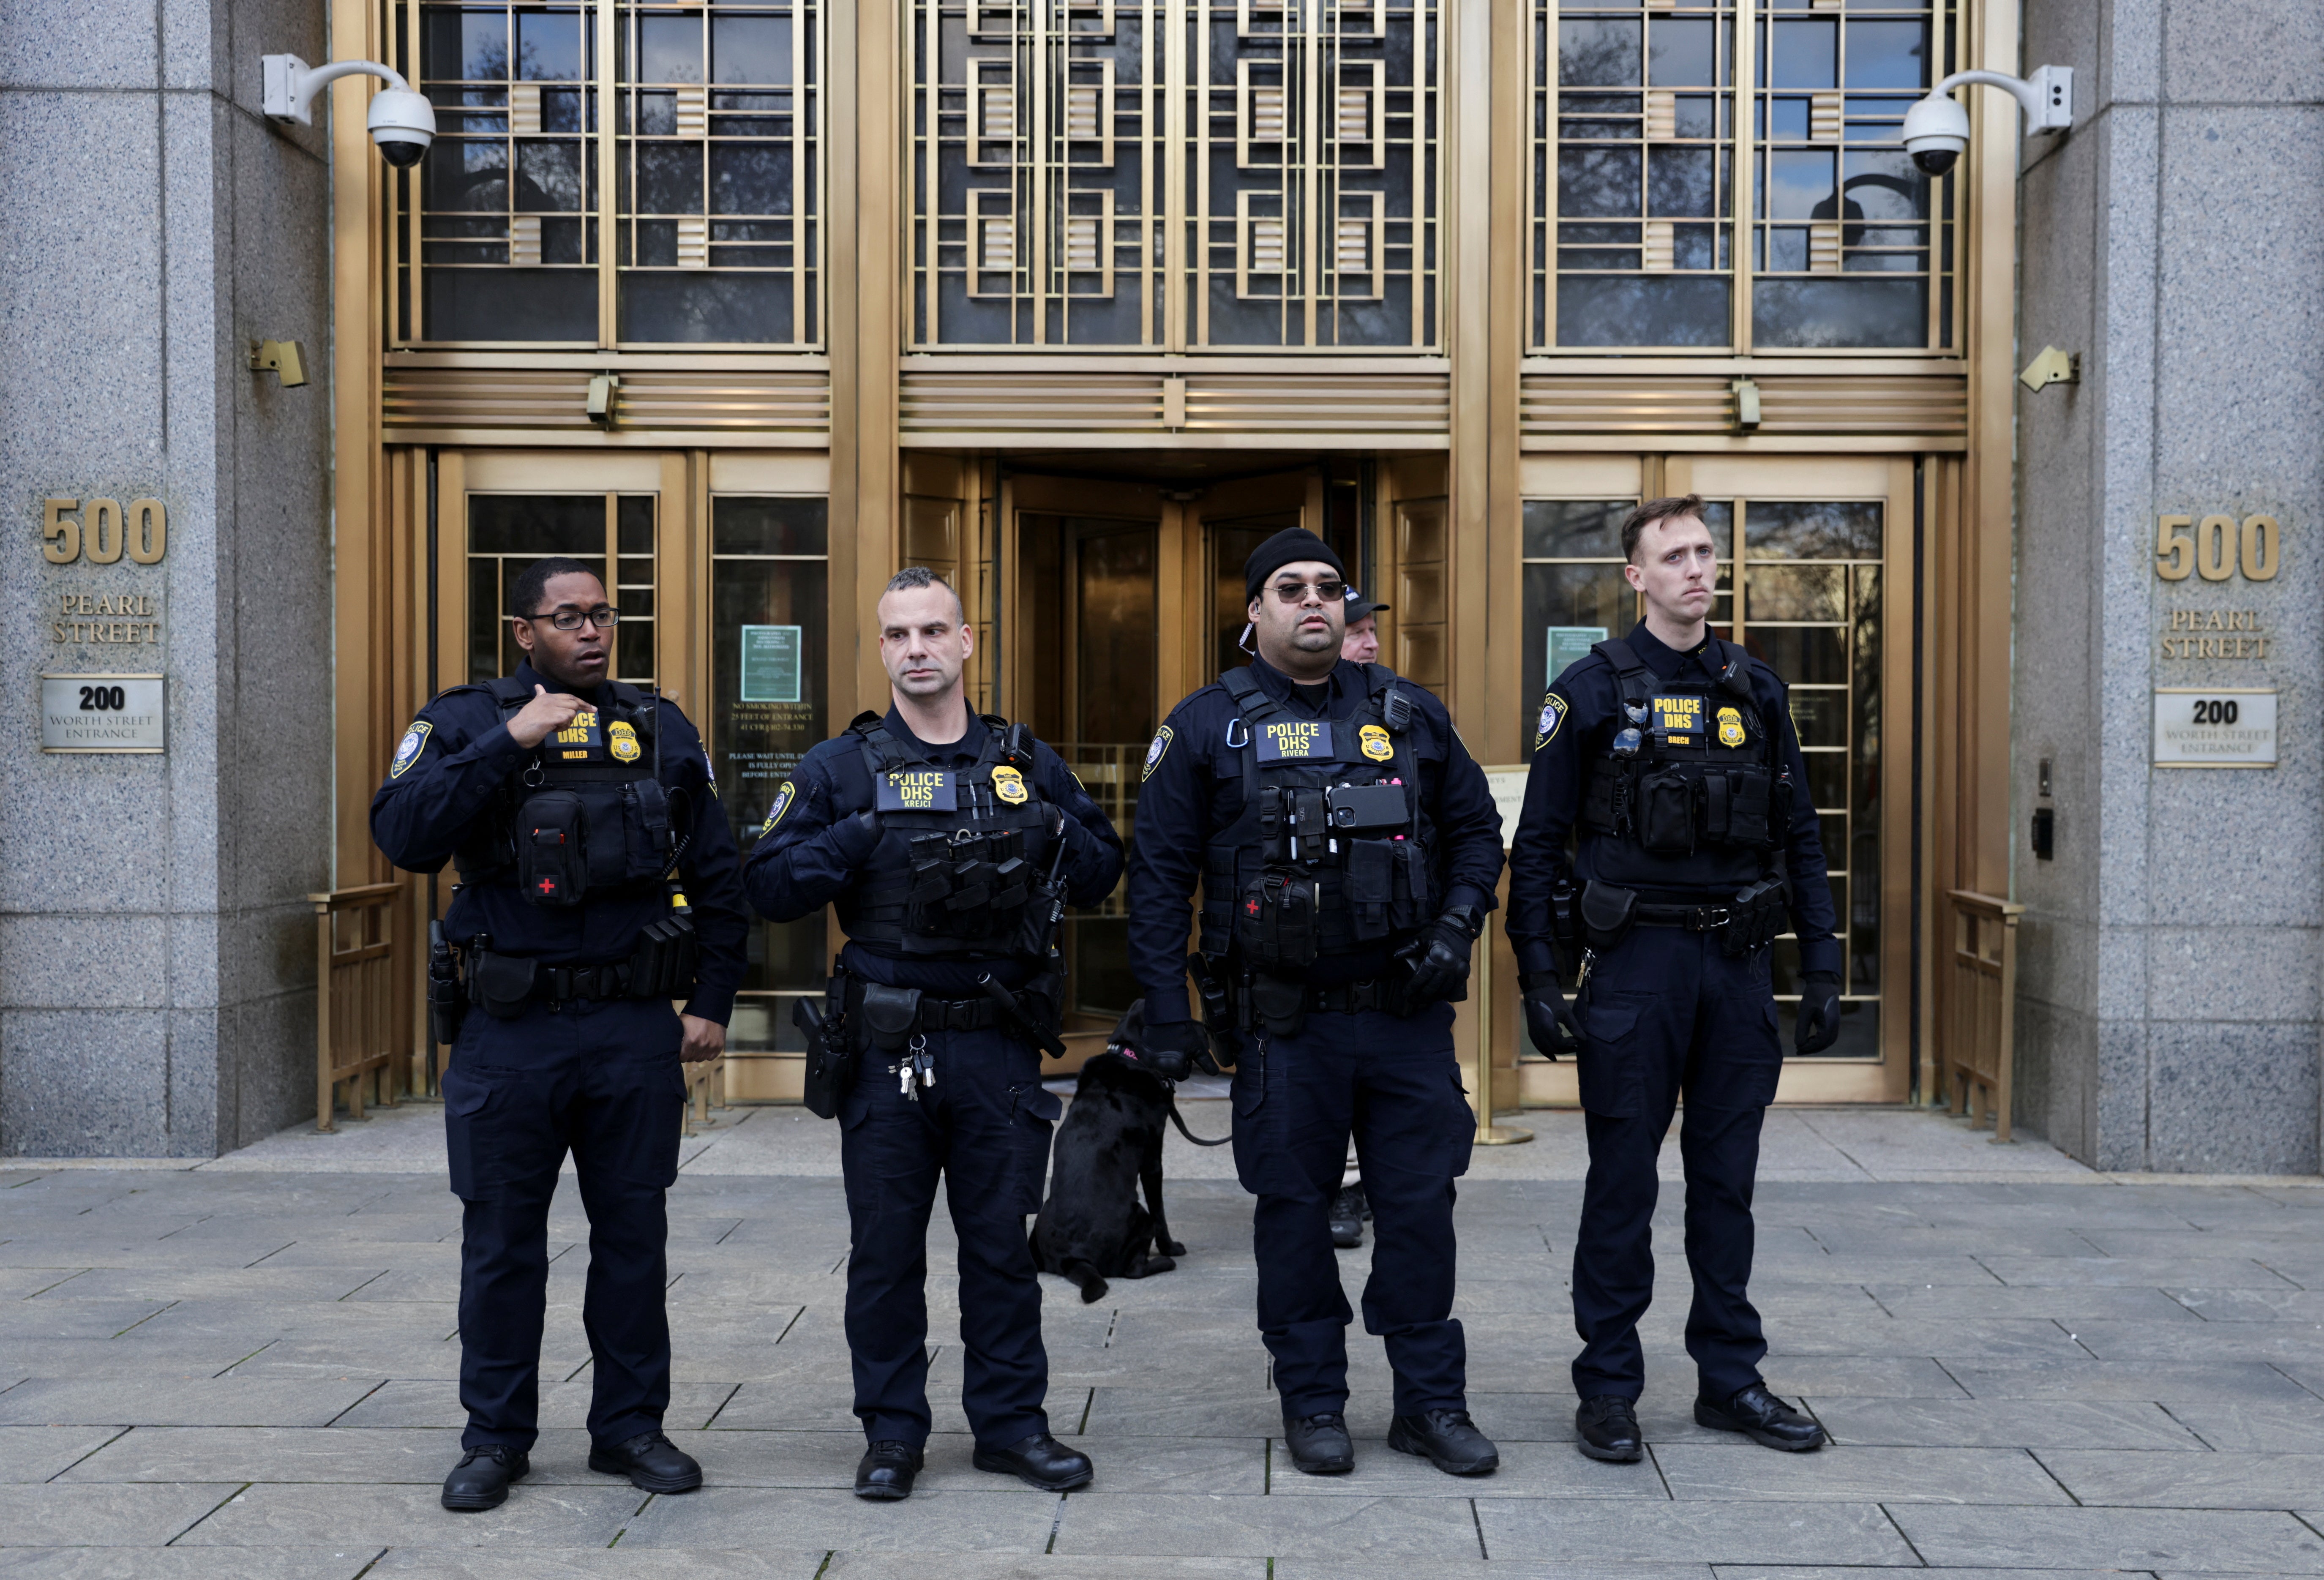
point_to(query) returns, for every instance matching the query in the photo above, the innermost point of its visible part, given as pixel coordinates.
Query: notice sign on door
(101, 712)
(2215, 727)
(1570, 644)
(770, 663)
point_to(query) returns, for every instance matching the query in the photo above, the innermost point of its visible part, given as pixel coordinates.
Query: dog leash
(1189, 1135)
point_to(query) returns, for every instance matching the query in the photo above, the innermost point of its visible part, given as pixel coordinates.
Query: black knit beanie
(1291, 545)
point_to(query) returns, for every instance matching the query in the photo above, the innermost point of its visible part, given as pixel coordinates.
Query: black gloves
(1173, 1048)
(853, 839)
(1549, 1019)
(1819, 1022)
(1439, 959)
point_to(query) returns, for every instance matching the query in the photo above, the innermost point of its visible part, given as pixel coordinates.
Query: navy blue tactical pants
(1394, 1085)
(985, 1127)
(1667, 1012)
(602, 1080)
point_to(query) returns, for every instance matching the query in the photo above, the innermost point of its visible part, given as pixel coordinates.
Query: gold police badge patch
(622, 741)
(1009, 785)
(1375, 743)
(1162, 739)
(1731, 727)
(1553, 714)
(782, 804)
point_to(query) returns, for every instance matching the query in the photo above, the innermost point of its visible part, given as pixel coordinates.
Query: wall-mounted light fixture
(282, 358)
(401, 122)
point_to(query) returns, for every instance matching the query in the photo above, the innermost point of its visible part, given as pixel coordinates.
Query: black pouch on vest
(645, 819)
(1370, 886)
(501, 985)
(1416, 891)
(1278, 1006)
(1664, 813)
(889, 1016)
(662, 966)
(1754, 918)
(553, 866)
(1606, 914)
(1276, 923)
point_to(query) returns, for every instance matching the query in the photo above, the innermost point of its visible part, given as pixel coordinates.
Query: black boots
(1763, 1418)
(885, 1473)
(652, 1463)
(481, 1480)
(1320, 1444)
(1347, 1217)
(1606, 1427)
(1039, 1461)
(1447, 1439)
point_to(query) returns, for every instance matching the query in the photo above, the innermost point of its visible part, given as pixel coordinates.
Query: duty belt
(563, 983)
(1349, 998)
(976, 1014)
(1694, 918)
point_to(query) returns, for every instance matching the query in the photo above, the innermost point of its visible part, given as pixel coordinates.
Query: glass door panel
(770, 686)
(613, 532)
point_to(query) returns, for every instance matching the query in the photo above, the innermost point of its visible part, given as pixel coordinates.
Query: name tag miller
(102, 713)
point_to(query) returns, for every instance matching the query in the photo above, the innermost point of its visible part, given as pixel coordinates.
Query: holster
(1754, 918)
(1608, 914)
(1277, 1004)
(886, 1017)
(826, 1057)
(445, 1001)
(501, 985)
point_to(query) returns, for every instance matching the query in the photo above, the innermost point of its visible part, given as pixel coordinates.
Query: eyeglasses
(602, 617)
(1295, 592)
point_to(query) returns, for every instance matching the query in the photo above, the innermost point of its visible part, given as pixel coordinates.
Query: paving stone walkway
(2024, 1366)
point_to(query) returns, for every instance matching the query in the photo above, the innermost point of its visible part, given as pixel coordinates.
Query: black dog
(1091, 1227)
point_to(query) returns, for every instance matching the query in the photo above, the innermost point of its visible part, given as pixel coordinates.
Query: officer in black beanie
(1347, 849)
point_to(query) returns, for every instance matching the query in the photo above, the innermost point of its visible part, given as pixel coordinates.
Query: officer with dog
(1347, 850)
(598, 882)
(949, 843)
(1670, 755)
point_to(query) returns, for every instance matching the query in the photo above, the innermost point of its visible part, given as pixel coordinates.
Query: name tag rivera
(1296, 740)
(917, 789)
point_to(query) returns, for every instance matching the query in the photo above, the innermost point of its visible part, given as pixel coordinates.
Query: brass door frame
(1890, 478)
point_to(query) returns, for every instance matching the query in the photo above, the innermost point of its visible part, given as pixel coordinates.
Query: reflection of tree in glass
(1597, 52)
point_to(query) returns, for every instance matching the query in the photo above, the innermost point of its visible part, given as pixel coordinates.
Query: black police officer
(1670, 755)
(572, 803)
(1348, 848)
(948, 842)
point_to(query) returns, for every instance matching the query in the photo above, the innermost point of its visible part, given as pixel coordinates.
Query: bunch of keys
(916, 1069)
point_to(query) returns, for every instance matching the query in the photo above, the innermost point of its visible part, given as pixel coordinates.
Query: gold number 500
(143, 531)
(2216, 546)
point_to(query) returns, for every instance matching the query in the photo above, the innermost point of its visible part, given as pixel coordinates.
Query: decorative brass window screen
(1656, 122)
(712, 154)
(1174, 174)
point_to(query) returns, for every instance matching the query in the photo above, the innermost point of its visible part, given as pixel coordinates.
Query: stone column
(2168, 1008)
(156, 964)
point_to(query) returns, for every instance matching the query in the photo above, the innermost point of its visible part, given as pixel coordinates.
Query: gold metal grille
(714, 237)
(1174, 174)
(1659, 124)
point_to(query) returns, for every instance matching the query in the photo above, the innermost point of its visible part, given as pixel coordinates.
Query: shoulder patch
(407, 750)
(710, 769)
(1154, 753)
(1553, 714)
(783, 800)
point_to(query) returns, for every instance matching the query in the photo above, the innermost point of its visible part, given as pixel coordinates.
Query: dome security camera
(1936, 129)
(402, 124)
(1936, 134)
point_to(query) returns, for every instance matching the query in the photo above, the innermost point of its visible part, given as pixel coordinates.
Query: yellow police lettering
(1295, 738)
(917, 790)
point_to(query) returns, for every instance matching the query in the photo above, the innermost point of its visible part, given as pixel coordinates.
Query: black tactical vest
(1331, 853)
(1687, 795)
(586, 817)
(962, 867)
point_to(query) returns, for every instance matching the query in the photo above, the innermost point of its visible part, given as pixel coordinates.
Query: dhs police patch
(1553, 714)
(782, 804)
(407, 750)
(1162, 739)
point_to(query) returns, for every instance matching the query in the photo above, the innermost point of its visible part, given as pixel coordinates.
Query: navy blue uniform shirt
(465, 752)
(1578, 718)
(1194, 790)
(795, 869)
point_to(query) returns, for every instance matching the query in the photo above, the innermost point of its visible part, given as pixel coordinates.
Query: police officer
(572, 804)
(1361, 644)
(1671, 755)
(949, 842)
(1347, 849)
